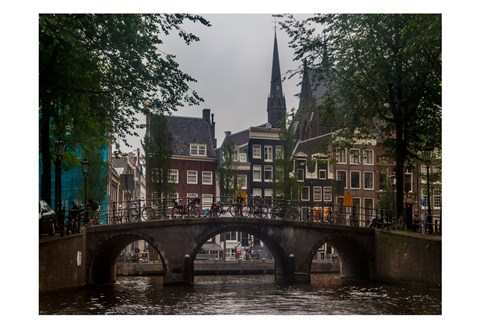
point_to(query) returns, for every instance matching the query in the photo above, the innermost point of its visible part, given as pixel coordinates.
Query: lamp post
(60, 150)
(85, 165)
(393, 180)
(427, 157)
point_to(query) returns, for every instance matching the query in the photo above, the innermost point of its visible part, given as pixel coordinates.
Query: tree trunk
(46, 177)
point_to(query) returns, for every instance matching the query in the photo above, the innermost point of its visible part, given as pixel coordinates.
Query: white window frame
(256, 151)
(268, 168)
(198, 150)
(365, 179)
(354, 151)
(207, 178)
(256, 169)
(173, 175)
(317, 190)
(437, 198)
(308, 192)
(207, 200)
(242, 157)
(359, 180)
(189, 172)
(278, 152)
(346, 177)
(324, 174)
(303, 174)
(327, 191)
(245, 181)
(366, 159)
(268, 153)
(339, 157)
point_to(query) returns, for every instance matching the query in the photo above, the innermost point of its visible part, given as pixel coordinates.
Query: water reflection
(253, 294)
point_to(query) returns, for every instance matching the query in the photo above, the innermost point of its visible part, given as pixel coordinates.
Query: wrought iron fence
(252, 207)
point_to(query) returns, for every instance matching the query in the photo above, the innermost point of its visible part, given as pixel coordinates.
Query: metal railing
(252, 207)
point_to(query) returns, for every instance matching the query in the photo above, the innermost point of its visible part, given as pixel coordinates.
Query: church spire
(276, 107)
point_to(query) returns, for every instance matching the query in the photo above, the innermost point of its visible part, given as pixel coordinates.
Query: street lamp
(60, 150)
(393, 180)
(427, 158)
(85, 165)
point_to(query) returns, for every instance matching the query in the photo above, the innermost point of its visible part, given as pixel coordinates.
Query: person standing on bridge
(239, 204)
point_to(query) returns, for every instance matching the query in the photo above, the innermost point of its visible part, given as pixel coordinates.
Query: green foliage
(96, 71)
(383, 73)
(158, 152)
(285, 184)
(227, 168)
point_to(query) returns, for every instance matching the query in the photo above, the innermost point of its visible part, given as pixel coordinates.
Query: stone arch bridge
(292, 244)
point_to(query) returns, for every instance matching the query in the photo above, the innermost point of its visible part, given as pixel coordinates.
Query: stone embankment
(221, 267)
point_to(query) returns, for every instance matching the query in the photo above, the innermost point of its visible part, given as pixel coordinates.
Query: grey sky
(232, 63)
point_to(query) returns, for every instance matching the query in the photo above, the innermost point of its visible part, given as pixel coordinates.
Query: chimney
(206, 115)
(212, 126)
(228, 134)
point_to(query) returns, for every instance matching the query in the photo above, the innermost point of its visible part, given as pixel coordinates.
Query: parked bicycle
(76, 214)
(191, 209)
(155, 211)
(284, 210)
(237, 207)
(216, 209)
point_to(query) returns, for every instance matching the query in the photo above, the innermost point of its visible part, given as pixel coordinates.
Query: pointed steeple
(276, 107)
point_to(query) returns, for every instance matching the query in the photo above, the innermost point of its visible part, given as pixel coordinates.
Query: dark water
(246, 295)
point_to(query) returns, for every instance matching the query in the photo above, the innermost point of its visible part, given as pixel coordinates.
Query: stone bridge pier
(292, 244)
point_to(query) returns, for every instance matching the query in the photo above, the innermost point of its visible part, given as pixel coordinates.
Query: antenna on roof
(275, 21)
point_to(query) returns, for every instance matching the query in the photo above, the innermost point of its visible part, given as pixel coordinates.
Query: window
(268, 173)
(368, 157)
(342, 176)
(317, 194)
(242, 181)
(306, 193)
(155, 174)
(322, 174)
(173, 178)
(278, 152)
(408, 182)
(192, 195)
(300, 174)
(207, 177)
(192, 177)
(368, 180)
(231, 235)
(257, 173)
(268, 195)
(354, 156)
(342, 156)
(268, 153)
(257, 151)
(437, 198)
(207, 200)
(354, 180)
(327, 194)
(243, 157)
(198, 150)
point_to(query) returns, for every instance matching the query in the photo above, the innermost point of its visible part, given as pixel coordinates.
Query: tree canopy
(383, 73)
(96, 71)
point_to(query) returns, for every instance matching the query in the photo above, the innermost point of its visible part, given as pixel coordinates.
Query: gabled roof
(189, 130)
(314, 145)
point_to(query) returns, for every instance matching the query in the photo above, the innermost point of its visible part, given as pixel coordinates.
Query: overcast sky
(232, 64)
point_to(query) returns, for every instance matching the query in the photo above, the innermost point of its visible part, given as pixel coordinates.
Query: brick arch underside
(355, 255)
(102, 268)
(273, 246)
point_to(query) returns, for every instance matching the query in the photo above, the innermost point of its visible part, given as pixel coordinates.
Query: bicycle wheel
(176, 212)
(194, 212)
(399, 223)
(148, 213)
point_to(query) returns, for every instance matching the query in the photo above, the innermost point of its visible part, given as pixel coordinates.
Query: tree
(382, 71)
(227, 169)
(285, 183)
(157, 147)
(97, 70)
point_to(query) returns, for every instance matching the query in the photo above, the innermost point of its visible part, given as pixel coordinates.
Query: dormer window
(198, 150)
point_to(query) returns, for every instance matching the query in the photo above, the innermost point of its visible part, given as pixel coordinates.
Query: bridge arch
(275, 248)
(356, 256)
(102, 268)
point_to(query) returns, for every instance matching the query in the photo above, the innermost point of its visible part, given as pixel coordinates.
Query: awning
(208, 247)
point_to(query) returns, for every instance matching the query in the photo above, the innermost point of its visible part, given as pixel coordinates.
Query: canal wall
(62, 262)
(408, 258)
(222, 267)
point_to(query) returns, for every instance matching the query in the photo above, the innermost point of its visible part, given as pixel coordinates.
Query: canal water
(243, 295)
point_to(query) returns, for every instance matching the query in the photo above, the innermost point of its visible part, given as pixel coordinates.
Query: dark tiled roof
(314, 145)
(240, 138)
(189, 130)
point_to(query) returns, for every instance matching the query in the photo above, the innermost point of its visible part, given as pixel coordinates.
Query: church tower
(276, 107)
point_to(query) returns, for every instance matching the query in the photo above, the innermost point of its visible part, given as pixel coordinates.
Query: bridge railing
(251, 207)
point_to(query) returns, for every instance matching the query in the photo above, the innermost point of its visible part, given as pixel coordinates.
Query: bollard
(291, 268)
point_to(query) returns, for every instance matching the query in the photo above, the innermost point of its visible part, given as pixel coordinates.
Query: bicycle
(191, 209)
(154, 212)
(216, 209)
(238, 208)
(284, 211)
